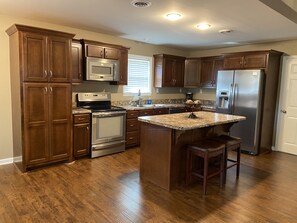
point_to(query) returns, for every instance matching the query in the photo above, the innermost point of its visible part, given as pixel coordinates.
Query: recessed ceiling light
(173, 16)
(203, 26)
(141, 3)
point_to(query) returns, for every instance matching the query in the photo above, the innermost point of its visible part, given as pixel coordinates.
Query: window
(139, 75)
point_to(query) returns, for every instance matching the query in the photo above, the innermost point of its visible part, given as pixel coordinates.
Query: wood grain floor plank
(108, 189)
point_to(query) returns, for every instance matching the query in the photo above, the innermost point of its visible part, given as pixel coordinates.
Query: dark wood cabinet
(41, 95)
(123, 67)
(81, 135)
(246, 60)
(77, 63)
(192, 72)
(209, 70)
(46, 58)
(169, 70)
(132, 128)
(102, 52)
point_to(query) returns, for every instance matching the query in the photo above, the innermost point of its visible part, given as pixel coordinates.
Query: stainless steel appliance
(239, 92)
(108, 123)
(98, 69)
(189, 96)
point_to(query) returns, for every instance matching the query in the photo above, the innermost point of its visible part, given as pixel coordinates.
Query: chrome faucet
(139, 100)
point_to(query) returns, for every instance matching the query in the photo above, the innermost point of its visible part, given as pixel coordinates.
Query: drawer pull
(131, 125)
(130, 138)
(81, 119)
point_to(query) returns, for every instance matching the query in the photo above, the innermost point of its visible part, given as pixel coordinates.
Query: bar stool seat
(231, 143)
(205, 150)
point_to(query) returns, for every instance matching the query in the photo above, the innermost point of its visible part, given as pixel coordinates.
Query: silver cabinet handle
(283, 111)
(87, 128)
(45, 73)
(51, 74)
(45, 89)
(51, 89)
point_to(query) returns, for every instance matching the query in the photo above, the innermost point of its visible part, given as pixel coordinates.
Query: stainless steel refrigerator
(240, 92)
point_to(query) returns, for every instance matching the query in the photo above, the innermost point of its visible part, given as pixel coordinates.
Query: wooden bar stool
(205, 150)
(231, 143)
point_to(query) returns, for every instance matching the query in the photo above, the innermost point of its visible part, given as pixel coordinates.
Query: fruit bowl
(191, 105)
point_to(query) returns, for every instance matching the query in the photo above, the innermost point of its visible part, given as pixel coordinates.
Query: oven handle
(108, 114)
(107, 145)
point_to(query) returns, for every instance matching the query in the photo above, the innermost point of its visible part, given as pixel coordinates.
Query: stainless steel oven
(108, 123)
(108, 132)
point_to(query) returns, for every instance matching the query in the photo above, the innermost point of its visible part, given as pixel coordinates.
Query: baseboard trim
(6, 161)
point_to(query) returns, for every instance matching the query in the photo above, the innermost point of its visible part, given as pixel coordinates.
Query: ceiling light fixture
(141, 3)
(203, 26)
(225, 31)
(173, 16)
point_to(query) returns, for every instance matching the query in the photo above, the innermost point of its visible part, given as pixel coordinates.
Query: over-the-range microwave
(98, 69)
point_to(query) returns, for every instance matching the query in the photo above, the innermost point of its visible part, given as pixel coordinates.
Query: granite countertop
(181, 121)
(80, 111)
(153, 106)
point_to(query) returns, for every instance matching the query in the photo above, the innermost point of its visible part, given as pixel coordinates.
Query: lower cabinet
(81, 135)
(133, 126)
(47, 123)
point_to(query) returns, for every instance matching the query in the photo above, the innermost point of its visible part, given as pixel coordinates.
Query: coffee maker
(189, 96)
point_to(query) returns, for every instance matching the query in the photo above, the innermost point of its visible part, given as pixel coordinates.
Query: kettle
(189, 96)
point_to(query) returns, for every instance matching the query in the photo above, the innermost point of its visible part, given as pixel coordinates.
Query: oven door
(108, 127)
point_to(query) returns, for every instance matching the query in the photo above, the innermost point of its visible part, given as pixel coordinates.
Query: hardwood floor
(108, 189)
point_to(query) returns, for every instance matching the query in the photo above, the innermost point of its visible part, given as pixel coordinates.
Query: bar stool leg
(189, 167)
(223, 170)
(225, 164)
(238, 162)
(205, 175)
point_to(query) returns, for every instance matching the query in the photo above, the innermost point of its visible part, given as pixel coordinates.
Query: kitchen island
(163, 143)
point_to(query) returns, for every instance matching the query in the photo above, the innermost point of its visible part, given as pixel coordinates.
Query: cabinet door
(34, 58)
(76, 62)
(123, 67)
(35, 101)
(94, 51)
(255, 61)
(59, 52)
(81, 139)
(179, 70)
(111, 53)
(233, 62)
(206, 75)
(60, 121)
(192, 73)
(168, 77)
(218, 65)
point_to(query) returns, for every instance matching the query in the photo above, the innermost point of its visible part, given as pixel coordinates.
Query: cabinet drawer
(146, 112)
(132, 125)
(81, 118)
(160, 111)
(132, 114)
(132, 138)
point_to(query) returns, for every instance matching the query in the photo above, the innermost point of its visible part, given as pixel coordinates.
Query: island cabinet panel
(81, 135)
(169, 70)
(41, 95)
(192, 72)
(77, 63)
(246, 60)
(209, 70)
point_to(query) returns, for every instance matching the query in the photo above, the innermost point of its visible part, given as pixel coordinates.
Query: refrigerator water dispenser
(223, 100)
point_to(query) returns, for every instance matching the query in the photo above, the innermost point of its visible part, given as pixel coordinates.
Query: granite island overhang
(164, 139)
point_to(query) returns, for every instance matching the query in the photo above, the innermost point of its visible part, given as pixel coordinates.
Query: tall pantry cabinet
(40, 68)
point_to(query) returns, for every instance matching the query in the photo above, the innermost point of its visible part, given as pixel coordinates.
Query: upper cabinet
(102, 52)
(169, 70)
(77, 71)
(246, 60)
(108, 51)
(192, 72)
(45, 57)
(209, 69)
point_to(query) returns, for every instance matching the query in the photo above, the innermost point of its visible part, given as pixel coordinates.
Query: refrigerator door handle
(231, 99)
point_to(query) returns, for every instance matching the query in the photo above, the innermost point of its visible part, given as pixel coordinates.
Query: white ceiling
(252, 21)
